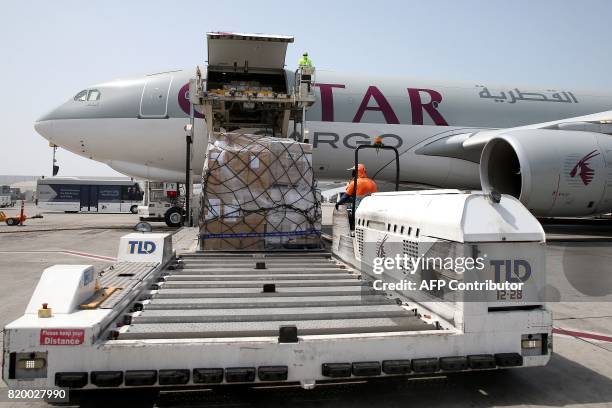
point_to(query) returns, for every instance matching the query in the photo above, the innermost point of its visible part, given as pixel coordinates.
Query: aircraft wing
(468, 146)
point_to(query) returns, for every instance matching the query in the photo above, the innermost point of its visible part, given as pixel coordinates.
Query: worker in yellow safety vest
(305, 61)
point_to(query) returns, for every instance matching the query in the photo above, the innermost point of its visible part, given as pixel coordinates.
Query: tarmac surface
(579, 263)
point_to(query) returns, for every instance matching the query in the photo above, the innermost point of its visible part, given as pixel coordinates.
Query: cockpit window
(94, 95)
(81, 96)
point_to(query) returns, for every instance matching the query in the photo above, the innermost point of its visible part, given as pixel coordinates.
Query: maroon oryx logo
(583, 170)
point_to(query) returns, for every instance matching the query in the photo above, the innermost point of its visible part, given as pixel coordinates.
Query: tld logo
(141, 247)
(514, 271)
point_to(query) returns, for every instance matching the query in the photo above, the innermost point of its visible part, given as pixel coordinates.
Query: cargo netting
(258, 192)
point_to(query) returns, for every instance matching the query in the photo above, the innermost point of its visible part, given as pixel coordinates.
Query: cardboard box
(295, 224)
(231, 232)
(298, 198)
(264, 160)
(290, 163)
(232, 171)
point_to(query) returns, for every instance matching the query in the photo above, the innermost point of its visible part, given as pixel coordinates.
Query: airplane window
(81, 96)
(94, 95)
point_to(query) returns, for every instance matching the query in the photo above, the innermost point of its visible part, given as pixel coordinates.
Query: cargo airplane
(549, 147)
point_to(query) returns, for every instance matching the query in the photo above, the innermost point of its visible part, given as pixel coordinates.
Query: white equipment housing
(459, 225)
(291, 317)
(63, 286)
(138, 247)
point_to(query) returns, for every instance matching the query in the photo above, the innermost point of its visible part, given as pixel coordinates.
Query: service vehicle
(74, 194)
(6, 201)
(11, 220)
(162, 202)
(160, 319)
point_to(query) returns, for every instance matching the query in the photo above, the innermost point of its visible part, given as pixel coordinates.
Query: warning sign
(62, 337)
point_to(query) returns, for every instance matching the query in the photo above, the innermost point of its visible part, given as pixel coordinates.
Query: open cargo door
(245, 51)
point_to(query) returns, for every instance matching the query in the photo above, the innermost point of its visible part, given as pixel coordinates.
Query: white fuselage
(136, 126)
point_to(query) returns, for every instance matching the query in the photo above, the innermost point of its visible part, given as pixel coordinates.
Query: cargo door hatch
(240, 51)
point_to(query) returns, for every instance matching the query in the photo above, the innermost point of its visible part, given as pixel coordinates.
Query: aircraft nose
(46, 124)
(44, 127)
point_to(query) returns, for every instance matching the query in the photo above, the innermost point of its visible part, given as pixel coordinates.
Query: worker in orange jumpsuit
(365, 186)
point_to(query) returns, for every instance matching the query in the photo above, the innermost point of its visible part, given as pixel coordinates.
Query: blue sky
(51, 49)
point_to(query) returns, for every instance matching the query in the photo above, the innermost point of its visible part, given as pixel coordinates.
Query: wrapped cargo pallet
(258, 192)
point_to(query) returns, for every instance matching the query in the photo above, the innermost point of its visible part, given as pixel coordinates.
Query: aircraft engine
(554, 173)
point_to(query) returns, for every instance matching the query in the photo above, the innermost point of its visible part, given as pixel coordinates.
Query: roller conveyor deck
(214, 295)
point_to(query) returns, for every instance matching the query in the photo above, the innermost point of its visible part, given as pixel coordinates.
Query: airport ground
(579, 374)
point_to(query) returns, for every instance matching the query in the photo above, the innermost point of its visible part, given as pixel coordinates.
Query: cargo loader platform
(217, 294)
(203, 318)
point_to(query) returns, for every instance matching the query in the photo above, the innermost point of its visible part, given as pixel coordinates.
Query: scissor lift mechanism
(251, 58)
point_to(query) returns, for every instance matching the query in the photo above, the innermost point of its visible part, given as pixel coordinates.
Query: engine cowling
(554, 173)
